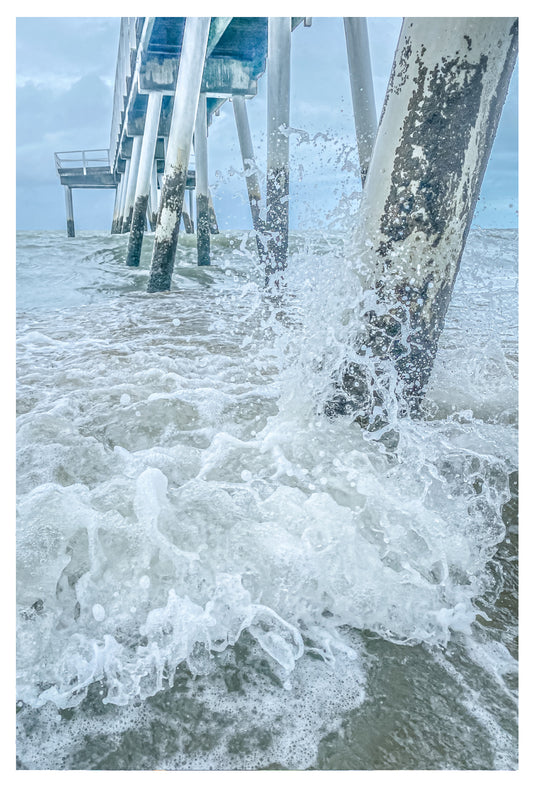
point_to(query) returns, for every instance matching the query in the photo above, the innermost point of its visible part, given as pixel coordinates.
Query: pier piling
(70, 212)
(145, 169)
(186, 97)
(248, 162)
(202, 190)
(124, 181)
(116, 207)
(421, 170)
(278, 119)
(364, 106)
(250, 174)
(191, 209)
(185, 215)
(132, 182)
(154, 197)
(213, 223)
(447, 88)
(150, 216)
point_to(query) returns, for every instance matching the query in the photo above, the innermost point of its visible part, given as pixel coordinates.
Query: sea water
(211, 573)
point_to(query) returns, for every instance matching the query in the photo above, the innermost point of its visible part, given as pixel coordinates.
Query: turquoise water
(213, 575)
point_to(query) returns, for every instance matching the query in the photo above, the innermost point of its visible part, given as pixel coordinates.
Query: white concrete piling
(191, 209)
(248, 161)
(178, 151)
(150, 221)
(278, 121)
(213, 223)
(144, 175)
(364, 106)
(154, 197)
(448, 85)
(132, 182)
(187, 220)
(124, 182)
(70, 212)
(116, 207)
(202, 189)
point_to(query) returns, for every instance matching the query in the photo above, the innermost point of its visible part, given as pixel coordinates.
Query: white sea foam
(180, 490)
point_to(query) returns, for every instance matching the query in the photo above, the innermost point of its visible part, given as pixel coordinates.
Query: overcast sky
(65, 76)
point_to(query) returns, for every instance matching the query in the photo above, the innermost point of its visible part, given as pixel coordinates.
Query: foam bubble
(223, 510)
(98, 612)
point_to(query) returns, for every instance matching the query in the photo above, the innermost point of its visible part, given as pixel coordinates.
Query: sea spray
(214, 574)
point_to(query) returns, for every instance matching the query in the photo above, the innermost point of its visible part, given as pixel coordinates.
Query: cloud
(65, 76)
(53, 51)
(50, 120)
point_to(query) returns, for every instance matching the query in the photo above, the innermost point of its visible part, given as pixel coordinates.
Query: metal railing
(82, 159)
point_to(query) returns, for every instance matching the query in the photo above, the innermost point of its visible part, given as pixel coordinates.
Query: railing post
(142, 188)
(179, 147)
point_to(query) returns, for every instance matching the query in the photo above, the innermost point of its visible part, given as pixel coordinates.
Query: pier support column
(364, 106)
(250, 169)
(124, 182)
(213, 223)
(449, 81)
(132, 182)
(178, 151)
(70, 212)
(202, 190)
(187, 220)
(191, 209)
(116, 207)
(122, 206)
(153, 197)
(278, 111)
(150, 220)
(142, 188)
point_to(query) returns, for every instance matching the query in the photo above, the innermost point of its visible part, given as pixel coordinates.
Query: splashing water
(211, 573)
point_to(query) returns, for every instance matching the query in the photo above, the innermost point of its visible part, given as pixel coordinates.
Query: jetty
(421, 166)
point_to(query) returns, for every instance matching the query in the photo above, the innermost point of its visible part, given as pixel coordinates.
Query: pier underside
(421, 168)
